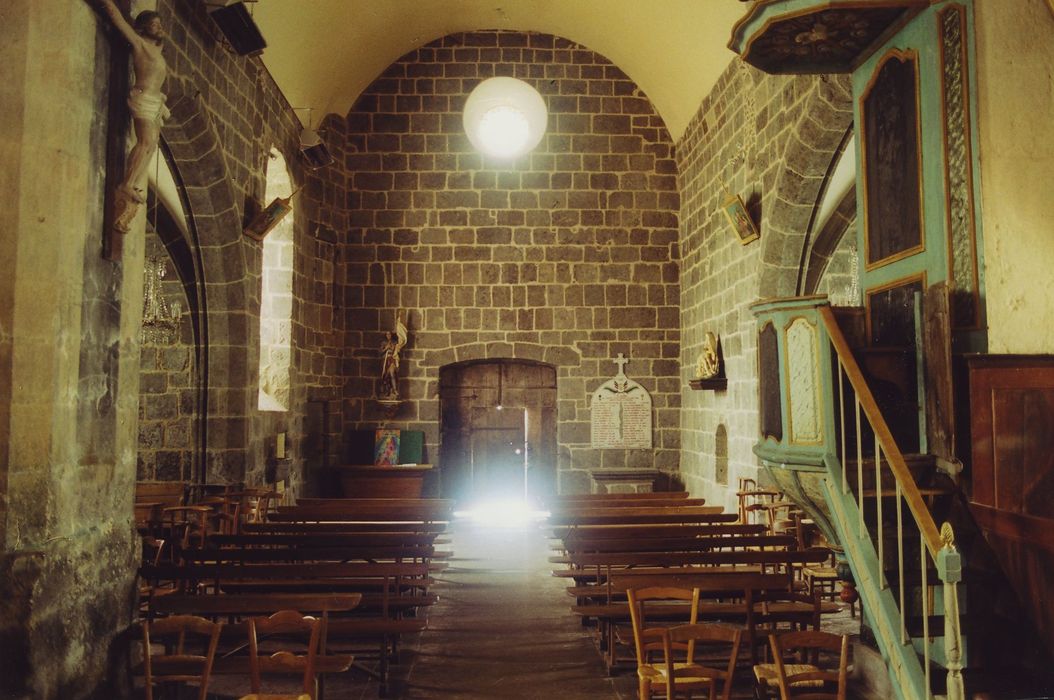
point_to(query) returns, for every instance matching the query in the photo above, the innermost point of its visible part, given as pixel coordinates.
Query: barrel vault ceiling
(323, 53)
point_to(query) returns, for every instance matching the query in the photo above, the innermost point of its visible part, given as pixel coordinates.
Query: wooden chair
(256, 503)
(177, 662)
(188, 525)
(286, 623)
(822, 580)
(650, 640)
(804, 677)
(153, 552)
(225, 516)
(773, 612)
(693, 673)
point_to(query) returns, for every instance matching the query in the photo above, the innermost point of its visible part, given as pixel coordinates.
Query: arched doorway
(498, 423)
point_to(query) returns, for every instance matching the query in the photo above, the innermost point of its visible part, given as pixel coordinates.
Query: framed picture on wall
(267, 219)
(739, 217)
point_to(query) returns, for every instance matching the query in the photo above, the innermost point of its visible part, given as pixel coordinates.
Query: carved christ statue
(145, 100)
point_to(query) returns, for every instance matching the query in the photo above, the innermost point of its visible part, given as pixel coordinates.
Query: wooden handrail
(894, 457)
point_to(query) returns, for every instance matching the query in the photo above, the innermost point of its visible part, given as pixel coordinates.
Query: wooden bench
(337, 526)
(377, 502)
(319, 553)
(650, 530)
(334, 539)
(617, 497)
(639, 502)
(350, 512)
(679, 544)
(643, 514)
(598, 571)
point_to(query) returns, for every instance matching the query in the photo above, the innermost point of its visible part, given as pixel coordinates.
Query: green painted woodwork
(812, 477)
(921, 37)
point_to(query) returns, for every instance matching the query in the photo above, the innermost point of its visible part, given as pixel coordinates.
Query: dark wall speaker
(239, 28)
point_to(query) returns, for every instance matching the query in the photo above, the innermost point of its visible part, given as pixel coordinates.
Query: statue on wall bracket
(391, 347)
(146, 103)
(709, 364)
(709, 368)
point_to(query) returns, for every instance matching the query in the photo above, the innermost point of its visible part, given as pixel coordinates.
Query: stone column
(68, 366)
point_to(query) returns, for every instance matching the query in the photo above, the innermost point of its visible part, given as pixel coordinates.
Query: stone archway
(224, 284)
(814, 142)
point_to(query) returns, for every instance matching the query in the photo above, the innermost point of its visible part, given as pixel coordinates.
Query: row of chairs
(181, 649)
(782, 516)
(674, 660)
(167, 510)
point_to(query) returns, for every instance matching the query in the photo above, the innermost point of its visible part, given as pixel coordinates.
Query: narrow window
(276, 296)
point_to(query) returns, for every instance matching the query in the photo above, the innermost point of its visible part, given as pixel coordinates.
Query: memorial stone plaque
(620, 413)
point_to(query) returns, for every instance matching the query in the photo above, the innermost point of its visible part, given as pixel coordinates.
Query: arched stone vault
(226, 285)
(813, 143)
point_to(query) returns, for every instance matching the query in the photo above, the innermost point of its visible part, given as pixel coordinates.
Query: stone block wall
(227, 116)
(567, 255)
(166, 390)
(70, 357)
(769, 139)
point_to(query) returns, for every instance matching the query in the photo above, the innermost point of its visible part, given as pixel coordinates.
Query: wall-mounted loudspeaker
(315, 151)
(238, 27)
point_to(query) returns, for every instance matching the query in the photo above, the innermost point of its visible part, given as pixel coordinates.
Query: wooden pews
(314, 556)
(350, 510)
(634, 542)
(641, 514)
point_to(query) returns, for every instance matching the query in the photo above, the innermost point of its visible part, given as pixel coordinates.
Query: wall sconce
(505, 117)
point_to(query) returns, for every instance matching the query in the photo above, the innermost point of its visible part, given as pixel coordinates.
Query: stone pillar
(68, 367)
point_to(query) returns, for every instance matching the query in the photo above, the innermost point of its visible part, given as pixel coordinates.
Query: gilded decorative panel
(958, 171)
(803, 383)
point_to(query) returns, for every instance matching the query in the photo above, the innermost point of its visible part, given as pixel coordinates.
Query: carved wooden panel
(769, 383)
(827, 41)
(892, 161)
(803, 383)
(958, 163)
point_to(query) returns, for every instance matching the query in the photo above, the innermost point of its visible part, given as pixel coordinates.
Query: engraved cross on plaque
(621, 362)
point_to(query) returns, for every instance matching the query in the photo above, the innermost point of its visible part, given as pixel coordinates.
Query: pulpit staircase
(880, 502)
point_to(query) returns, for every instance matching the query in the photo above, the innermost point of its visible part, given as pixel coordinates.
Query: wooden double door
(498, 422)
